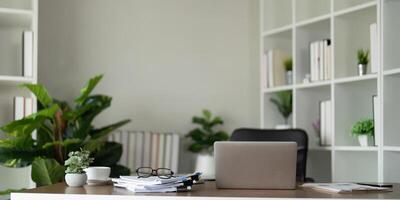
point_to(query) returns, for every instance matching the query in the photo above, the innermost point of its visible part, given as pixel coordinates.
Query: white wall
(163, 60)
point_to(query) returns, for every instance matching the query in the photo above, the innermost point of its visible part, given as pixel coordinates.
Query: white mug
(98, 173)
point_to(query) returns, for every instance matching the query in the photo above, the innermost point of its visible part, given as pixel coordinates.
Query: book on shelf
(147, 149)
(376, 116)
(132, 151)
(168, 150)
(326, 122)
(154, 150)
(320, 60)
(175, 152)
(27, 52)
(139, 149)
(374, 48)
(23, 107)
(272, 68)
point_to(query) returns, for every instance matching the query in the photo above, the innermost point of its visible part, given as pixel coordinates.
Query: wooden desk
(205, 191)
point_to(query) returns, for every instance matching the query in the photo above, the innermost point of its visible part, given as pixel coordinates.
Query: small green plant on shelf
(364, 131)
(284, 104)
(78, 161)
(203, 137)
(363, 56)
(363, 127)
(288, 64)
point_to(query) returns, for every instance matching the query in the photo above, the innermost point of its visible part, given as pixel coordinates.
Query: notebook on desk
(343, 188)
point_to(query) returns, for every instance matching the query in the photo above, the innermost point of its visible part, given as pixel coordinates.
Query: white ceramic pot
(98, 173)
(365, 141)
(75, 180)
(205, 164)
(283, 126)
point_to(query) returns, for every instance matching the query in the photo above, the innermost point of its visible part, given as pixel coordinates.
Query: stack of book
(156, 184)
(320, 60)
(23, 107)
(272, 68)
(326, 122)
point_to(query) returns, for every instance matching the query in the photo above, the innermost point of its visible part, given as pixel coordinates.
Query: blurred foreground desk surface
(205, 191)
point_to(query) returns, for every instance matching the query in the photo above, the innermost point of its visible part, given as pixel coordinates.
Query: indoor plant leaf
(119, 170)
(46, 171)
(108, 155)
(85, 91)
(40, 92)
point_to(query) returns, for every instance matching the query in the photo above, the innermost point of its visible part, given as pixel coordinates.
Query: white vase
(205, 165)
(364, 140)
(75, 180)
(283, 126)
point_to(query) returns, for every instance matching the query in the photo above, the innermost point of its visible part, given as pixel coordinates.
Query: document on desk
(345, 187)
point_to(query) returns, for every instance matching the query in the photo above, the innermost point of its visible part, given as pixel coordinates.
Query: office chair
(296, 135)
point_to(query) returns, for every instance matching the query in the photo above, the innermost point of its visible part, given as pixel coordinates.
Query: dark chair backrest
(296, 135)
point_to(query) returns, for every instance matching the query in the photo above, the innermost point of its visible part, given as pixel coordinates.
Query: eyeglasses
(145, 172)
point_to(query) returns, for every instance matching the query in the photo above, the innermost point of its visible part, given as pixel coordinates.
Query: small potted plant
(202, 142)
(363, 59)
(75, 175)
(284, 105)
(288, 64)
(364, 131)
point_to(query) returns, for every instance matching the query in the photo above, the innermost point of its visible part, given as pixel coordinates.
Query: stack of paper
(343, 187)
(156, 184)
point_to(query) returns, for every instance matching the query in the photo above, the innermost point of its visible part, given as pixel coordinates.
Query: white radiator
(148, 149)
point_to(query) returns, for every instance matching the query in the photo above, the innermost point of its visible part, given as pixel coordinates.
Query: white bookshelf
(346, 23)
(16, 16)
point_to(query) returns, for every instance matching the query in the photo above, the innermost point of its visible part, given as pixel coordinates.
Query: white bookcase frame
(347, 24)
(17, 16)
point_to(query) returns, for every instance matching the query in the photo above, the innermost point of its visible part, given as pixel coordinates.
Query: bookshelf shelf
(278, 89)
(355, 148)
(352, 9)
(16, 79)
(16, 11)
(347, 24)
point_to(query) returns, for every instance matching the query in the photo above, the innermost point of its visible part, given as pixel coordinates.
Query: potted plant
(362, 58)
(202, 142)
(61, 128)
(288, 64)
(364, 131)
(283, 102)
(75, 176)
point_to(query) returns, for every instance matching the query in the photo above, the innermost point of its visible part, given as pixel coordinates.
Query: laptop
(255, 165)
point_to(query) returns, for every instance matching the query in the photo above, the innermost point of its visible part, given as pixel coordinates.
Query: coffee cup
(98, 173)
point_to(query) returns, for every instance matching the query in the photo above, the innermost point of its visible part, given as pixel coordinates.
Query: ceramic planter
(362, 69)
(205, 164)
(365, 140)
(289, 77)
(75, 180)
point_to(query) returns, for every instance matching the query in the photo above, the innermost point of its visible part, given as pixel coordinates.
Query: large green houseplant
(45, 138)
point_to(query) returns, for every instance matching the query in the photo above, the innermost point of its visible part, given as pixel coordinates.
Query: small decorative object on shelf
(364, 131)
(288, 63)
(317, 128)
(75, 176)
(284, 105)
(307, 79)
(362, 61)
(203, 139)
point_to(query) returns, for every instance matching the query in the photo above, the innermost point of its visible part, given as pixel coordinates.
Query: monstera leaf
(47, 171)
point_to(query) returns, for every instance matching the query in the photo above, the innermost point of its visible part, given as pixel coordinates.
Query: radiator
(148, 149)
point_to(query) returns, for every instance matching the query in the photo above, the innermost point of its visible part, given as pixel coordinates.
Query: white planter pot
(283, 126)
(205, 165)
(365, 141)
(75, 180)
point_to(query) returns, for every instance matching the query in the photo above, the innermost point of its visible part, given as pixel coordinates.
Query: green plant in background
(77, 162)
(363, 56)
(284, 104)
(363, 127)
(203, 137)
(288, 63)
(61, 129)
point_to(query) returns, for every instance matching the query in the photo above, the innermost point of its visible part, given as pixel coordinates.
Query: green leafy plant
(77, 162)
(363, 127)
(203, 137)
(363, 56)
(60, 129)
(284, 104)
(288, 63)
